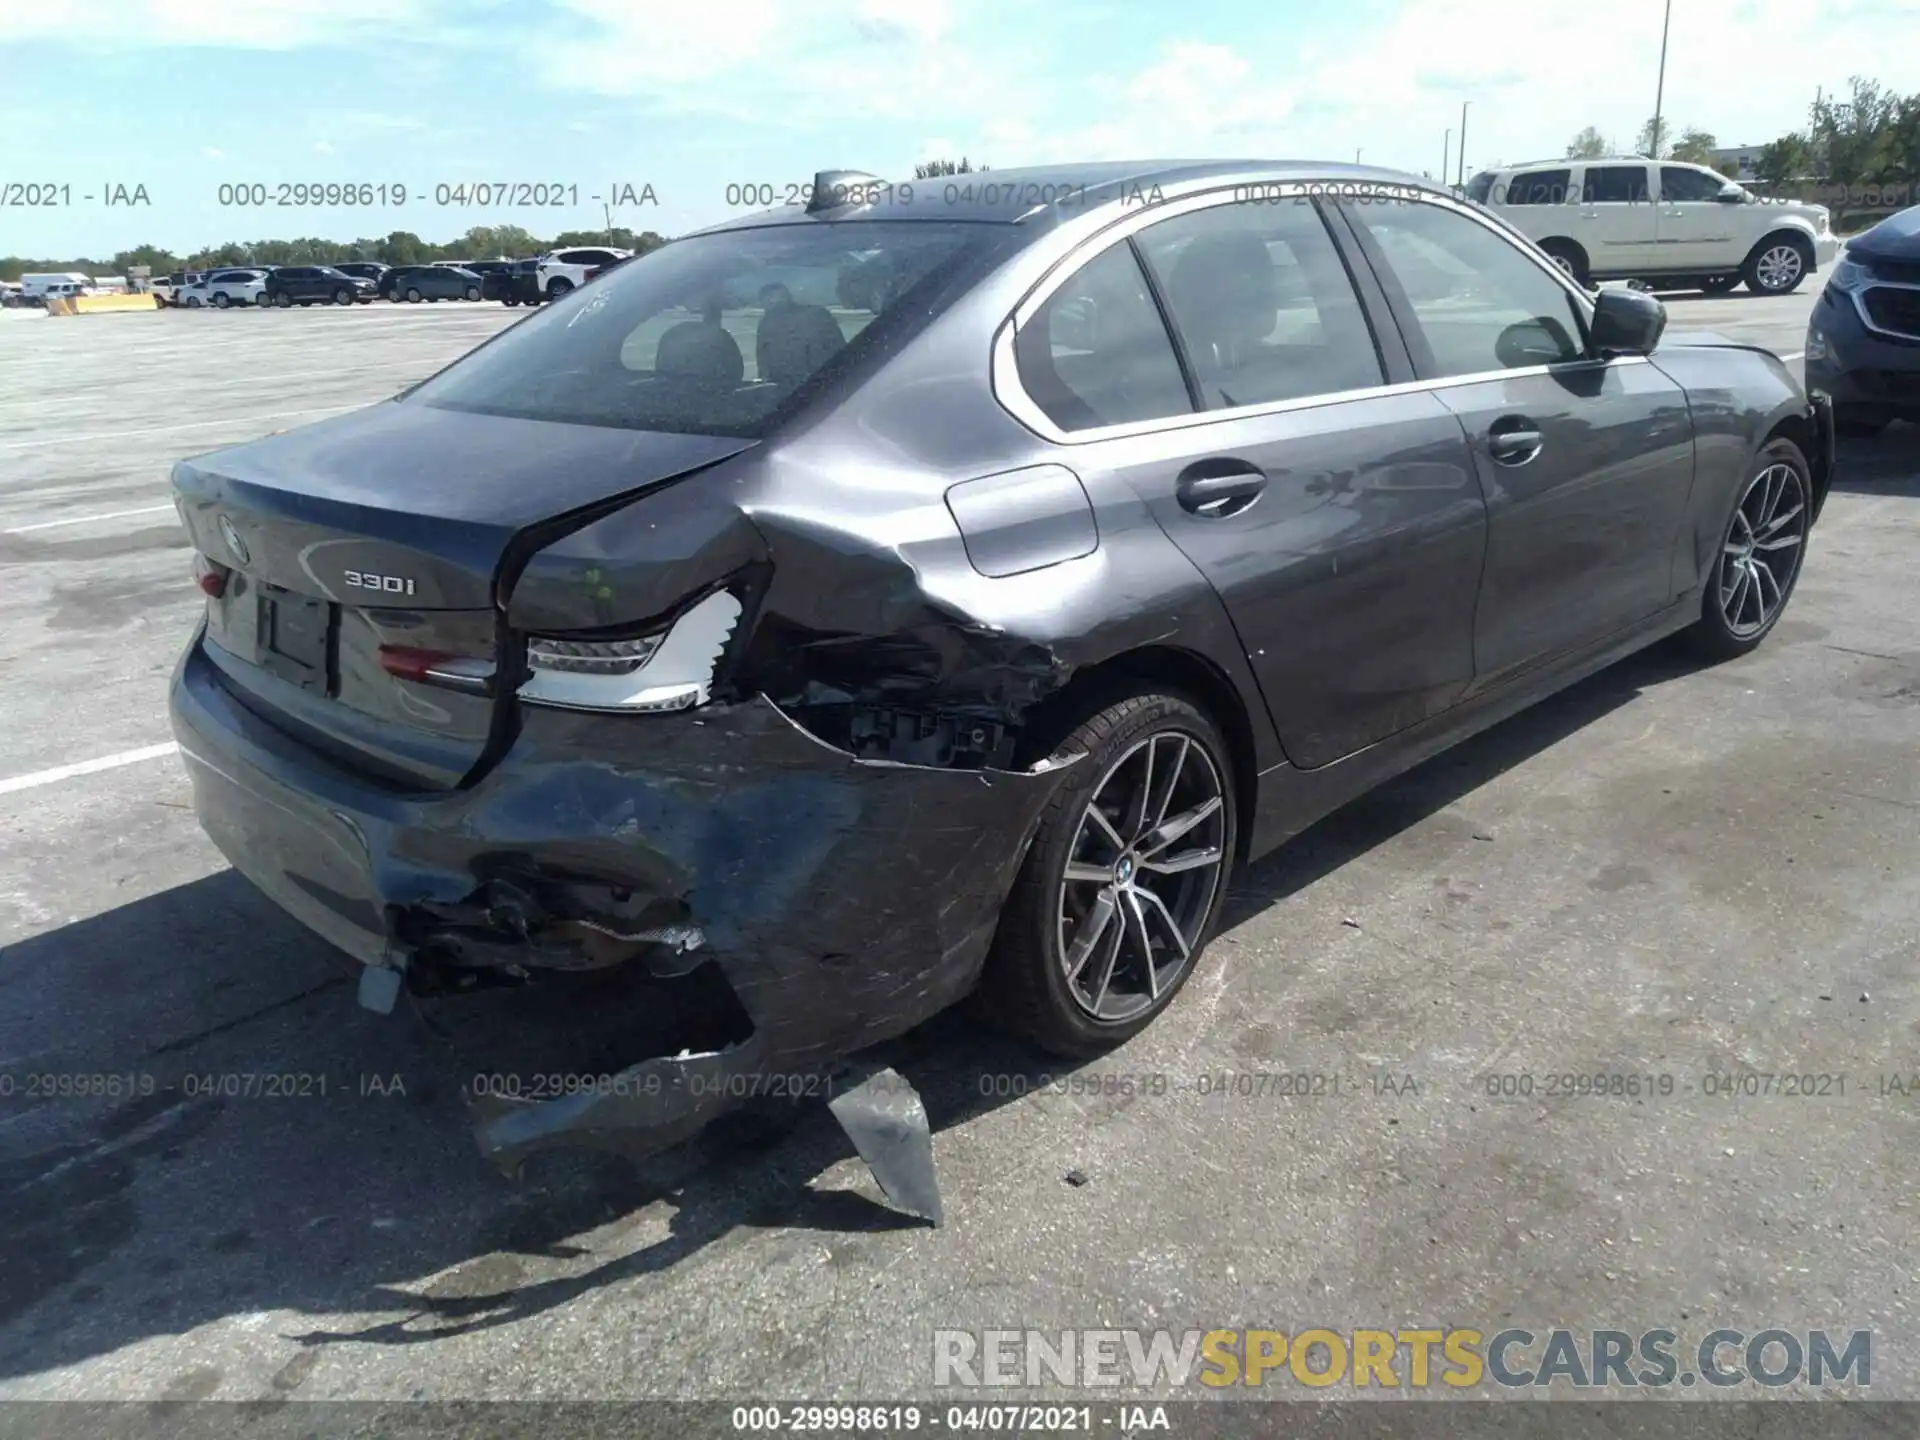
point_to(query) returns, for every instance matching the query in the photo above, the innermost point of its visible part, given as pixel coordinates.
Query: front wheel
(220, 301)
(413, 297)
(343, 296)
(1761, 549)
(1778, 265)
(1124, 881)
(558, 287)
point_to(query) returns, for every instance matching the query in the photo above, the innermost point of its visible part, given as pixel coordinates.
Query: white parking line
(85, 519)
(1793, 355)
(231, 420)
(85, 767)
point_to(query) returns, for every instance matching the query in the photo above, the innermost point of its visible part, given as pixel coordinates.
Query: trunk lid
(390, 527)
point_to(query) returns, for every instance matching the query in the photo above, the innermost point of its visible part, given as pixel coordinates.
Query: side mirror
(1732, 194)
(1627, 322)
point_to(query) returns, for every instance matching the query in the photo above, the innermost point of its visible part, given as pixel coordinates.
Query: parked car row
(512, 282)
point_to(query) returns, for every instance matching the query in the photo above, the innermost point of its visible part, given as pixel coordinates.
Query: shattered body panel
(842, 900)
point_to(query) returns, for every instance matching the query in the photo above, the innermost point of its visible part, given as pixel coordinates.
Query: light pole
(1463, 143)
(1446, 155)
(1660, 85)
(1356, 157)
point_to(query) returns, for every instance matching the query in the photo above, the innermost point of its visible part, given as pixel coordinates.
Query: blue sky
(689, 96)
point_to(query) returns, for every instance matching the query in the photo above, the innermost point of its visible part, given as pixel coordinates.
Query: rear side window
(1480, 187)
(1096, 353)
(1538, 187)
(1262, 303)
(1615, 185)
(712, 334)
(1481, 303)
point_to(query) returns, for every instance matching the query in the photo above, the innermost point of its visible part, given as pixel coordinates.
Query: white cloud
(321, 147)
(212, 153)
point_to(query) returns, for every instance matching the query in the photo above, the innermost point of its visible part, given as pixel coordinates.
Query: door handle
(1514, 440)
(1217, 488)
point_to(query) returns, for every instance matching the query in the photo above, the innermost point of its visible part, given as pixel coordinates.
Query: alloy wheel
(1141, 876)
(1779, 268)
(1760, 556)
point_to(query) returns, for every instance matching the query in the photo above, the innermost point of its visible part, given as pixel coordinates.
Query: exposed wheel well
(1182, 670)
(1798, 238)
(1800, 431)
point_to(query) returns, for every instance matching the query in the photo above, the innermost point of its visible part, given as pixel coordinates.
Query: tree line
(1870, 136)
(401, 247)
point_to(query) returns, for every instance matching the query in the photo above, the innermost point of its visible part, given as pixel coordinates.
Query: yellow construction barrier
(98, 304)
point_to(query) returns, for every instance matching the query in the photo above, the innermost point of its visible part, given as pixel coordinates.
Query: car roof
(1021, 195)
(1565, 160)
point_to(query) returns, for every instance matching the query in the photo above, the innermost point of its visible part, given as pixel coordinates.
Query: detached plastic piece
(379, 988)
(884, 1118)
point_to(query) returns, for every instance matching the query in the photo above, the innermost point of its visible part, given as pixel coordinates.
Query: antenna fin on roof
(833, 189)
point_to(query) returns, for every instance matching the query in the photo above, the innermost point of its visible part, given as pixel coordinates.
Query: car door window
(1680, 184)
(1538, 187)
(1262, 304)
(1096, 352)
(1479, 302)
(1615, 185)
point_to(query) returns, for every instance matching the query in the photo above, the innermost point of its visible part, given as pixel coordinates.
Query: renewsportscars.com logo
(1403, 1358)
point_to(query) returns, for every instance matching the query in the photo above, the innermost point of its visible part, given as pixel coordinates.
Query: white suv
(222, 288)
(1630, 218)
(565, 270)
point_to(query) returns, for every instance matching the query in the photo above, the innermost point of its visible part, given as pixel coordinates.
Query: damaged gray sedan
(936, 589)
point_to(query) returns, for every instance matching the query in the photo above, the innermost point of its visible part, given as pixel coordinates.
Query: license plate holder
(296, 637)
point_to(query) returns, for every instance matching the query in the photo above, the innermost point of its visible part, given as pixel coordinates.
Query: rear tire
(558, 287)
(413, 297)
(1765, 535)
(1571, 259)
(220, 301)
(1059, 974)
(473, 292)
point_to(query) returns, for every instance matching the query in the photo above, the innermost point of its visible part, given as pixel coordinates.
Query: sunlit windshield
(708, 335)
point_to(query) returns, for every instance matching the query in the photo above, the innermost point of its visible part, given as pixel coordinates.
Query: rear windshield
(712, 334)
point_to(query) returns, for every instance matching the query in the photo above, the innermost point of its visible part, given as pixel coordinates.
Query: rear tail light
(210, 576)
(669, 670)
(437, 667)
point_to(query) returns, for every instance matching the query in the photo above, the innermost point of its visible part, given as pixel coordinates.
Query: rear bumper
(842, 900)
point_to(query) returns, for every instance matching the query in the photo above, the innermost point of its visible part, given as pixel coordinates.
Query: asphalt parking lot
(1665, 871)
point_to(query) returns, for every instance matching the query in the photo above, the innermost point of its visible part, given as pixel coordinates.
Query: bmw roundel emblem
(230, 533)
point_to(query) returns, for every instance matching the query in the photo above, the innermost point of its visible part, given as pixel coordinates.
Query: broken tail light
(668, 670)
(210, 576)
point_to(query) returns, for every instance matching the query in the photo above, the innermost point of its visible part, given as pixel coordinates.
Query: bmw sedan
(843, 611)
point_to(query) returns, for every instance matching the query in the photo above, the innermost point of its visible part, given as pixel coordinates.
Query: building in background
(1737, 160)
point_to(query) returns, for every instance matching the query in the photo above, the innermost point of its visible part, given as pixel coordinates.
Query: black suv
(314, 285)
